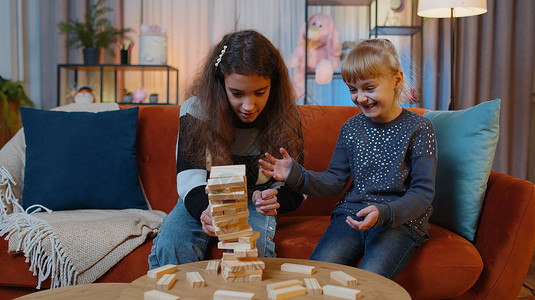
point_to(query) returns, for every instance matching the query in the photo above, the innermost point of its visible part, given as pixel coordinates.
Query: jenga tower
(227, 193)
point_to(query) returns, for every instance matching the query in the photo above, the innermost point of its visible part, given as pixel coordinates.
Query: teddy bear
(324, 50)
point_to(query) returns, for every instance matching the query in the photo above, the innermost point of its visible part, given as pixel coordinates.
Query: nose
(248, 103)
(362, 98)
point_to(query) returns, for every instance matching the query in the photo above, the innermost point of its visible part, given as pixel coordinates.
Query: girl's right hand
(206, 221)
(277, 168)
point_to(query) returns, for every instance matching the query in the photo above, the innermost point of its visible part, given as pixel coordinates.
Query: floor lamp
(451, 9)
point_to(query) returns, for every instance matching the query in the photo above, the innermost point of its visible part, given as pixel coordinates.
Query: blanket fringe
(7, 197)
(35, 237)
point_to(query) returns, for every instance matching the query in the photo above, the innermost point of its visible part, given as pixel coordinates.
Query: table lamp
(451, 9)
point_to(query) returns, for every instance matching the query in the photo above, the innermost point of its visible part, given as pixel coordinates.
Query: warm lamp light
(451, 9)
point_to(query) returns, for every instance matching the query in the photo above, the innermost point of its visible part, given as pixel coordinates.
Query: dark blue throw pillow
(81, 160)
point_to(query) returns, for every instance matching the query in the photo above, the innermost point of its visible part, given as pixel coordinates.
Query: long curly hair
(247, 53)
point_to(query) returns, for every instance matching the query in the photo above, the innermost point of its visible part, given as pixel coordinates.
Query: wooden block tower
(227, 193)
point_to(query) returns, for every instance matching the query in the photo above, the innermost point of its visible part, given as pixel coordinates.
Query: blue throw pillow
(81, 160)
(466, 143)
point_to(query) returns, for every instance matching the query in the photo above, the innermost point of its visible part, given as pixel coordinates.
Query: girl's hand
(277, 168)
(206, 221)
(266, 202)
(372, 214)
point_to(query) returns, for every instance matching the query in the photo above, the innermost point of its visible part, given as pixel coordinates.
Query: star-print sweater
(392, 166)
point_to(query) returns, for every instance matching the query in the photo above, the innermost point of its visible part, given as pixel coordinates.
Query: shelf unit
(115, 68)
(375, 30)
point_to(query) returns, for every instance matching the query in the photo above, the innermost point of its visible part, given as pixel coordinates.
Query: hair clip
(220, 56)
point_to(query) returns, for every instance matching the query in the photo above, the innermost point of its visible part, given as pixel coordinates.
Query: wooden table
(372, 286)
(82, 291)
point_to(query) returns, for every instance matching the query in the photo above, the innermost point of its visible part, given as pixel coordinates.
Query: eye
(236, 94)
(260, 93)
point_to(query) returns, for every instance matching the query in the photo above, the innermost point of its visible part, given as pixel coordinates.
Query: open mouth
(368, 106)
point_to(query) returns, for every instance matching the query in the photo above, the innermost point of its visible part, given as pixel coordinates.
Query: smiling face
(376, 97)
(247, 95)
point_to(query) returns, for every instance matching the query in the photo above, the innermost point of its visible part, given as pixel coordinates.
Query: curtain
(494, 58)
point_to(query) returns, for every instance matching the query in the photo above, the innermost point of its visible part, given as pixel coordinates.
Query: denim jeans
(181, 239)
(384, 251)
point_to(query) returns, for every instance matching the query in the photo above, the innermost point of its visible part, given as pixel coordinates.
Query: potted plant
(95, 33)
(12, 96)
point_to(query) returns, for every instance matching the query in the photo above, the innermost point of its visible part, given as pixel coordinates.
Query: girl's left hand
(372, 214)
(266, 202)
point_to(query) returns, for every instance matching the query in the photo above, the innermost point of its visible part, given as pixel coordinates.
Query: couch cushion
(447, 263)
(466, 143)
(81, 160)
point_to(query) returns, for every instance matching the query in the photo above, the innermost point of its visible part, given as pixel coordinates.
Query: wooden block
(283, 284)
(236, 245)
(253, 278)
(301, 269)
(235, 235)
(313, 286)
(237, 265)
(344, 278)
(237, 216)
(228, 205)
(157, 295)
(242, 273)
(212, 267)
(227, 171)
(195, 279)
(341, 292)
(166, 282)
(158, 272)
(216, 184)
(287, 292)
(246, 253)
(232, 295)
(227, 224)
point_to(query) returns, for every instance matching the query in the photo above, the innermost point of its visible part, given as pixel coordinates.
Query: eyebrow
(257, 90)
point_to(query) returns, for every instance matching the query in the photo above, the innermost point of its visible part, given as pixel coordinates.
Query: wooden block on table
(341, 292)
(195, 279)
(157, 295)
(242, 273)
(295, 268)
(166, 282)
(287, 292)
(217, 184)
(283, 284)
(344, 278)
(159, 272)
(212, 267)
(313, 286)
(227, 171)
(238, 266)
(232, 295)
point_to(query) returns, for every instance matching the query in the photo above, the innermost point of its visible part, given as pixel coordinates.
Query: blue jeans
(181, 239)
(384, 251)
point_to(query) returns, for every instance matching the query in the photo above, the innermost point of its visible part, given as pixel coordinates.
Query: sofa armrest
(505, 237)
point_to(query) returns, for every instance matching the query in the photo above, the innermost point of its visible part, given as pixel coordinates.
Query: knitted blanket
(69, 247)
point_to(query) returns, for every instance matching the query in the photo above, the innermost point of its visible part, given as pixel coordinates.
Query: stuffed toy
(324, 50)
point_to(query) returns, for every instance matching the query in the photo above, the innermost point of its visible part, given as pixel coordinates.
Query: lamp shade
(442, 8)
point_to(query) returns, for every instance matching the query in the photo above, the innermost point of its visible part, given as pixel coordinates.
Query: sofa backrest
(156, 143)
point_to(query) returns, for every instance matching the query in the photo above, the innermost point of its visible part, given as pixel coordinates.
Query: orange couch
(446, 266)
